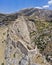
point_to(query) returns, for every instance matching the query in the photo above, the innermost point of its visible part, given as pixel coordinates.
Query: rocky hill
(32, 12)
(26, 37)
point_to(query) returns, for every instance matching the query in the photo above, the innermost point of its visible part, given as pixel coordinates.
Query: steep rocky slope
(26, 37)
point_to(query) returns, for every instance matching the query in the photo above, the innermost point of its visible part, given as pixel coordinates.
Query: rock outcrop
(28, 39)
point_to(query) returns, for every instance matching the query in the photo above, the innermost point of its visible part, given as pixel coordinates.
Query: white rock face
(21, 29)
(31, 26)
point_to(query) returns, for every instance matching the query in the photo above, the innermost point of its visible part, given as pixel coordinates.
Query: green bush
(41, 44)
(2, 64)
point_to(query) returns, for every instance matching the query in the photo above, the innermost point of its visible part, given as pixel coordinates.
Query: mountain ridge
(39, 13)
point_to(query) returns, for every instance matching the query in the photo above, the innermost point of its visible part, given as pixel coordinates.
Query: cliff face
(26, 37)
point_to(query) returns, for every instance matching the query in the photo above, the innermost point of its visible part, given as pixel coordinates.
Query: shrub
(2, 64)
